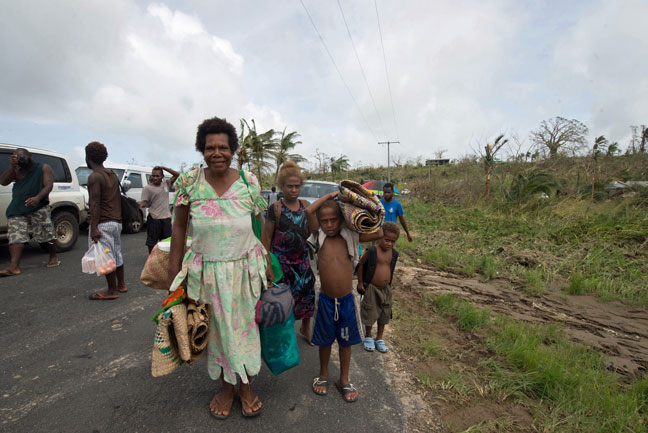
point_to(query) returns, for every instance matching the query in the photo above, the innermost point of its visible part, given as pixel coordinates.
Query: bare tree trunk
(488, 181)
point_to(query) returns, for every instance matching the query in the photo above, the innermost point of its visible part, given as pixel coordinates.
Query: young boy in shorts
(336, 311)
(375, 273)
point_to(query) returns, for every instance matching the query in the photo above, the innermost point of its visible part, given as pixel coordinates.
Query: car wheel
(133, 226)
(66, 230)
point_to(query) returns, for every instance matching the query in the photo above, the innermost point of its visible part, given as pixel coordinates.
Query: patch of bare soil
(618, 330)
(453, 384)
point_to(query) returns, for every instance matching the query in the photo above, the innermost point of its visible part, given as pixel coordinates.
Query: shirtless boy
(375, 273)
(336, 313)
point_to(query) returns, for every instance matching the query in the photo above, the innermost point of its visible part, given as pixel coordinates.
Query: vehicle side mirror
(126, 184)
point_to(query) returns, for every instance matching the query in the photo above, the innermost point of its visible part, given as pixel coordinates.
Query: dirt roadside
(618, 330)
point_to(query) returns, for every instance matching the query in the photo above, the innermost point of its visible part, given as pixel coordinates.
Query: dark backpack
(369, 268)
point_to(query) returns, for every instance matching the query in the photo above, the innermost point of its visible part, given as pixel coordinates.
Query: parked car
(133, 178)
(314, 189)
(66, 198)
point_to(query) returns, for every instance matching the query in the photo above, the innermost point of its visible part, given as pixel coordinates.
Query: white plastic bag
(97, 260)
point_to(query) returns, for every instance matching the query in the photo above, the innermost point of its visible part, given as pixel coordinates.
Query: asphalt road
(69, 364)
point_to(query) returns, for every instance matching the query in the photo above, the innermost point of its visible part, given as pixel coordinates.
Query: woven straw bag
(165, 358)
(156, 269)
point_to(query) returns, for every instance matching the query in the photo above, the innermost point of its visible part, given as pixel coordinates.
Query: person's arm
(94, 192)
(174, 174)
(48, 184)
(266, 239)
(9, 174)
(404, 224)
(178, 239)
(311, 210)
(369, 237)
(146, 195)
(360, 270)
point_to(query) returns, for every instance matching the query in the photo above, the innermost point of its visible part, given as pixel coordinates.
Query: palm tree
(489, 159)
(530, 183)
(243, 153)
(258, 148)
(285, 144)
(339, 164)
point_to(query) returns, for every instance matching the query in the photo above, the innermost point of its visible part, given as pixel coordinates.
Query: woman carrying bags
(226, 263)
(285, 233)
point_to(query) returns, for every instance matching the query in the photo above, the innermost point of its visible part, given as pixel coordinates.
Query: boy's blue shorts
(337, 318)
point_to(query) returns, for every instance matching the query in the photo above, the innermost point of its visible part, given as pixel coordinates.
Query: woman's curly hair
(216, 125)
(289, 169)
(96, 152)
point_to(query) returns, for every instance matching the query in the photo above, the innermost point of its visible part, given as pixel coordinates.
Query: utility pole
(388, 157)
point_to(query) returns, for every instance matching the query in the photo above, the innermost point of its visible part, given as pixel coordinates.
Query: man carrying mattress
(393, 208)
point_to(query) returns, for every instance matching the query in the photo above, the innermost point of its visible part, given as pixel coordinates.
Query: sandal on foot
(53, 264)
(369, 344)
(8, 273)
(250, 404)
(381, 346)
(346, 390)
(227, 406)
(103, 297)
(122, 289)
(320, 381)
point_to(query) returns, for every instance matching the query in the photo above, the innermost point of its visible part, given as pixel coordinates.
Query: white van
(133, 178)
(66, 199)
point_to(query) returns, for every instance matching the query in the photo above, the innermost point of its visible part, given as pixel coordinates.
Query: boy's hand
(333, 194)
(360, 288)
(409, 238)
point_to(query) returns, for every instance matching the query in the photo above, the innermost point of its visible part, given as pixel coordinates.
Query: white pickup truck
(68, 205)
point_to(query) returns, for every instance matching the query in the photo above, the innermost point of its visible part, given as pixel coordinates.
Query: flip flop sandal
(53, 264)
(346, 390)
(8, 273)
(381, 346)
(369, 344)
(250, 404)
(122, 289)
(319, 381)
(101, 297)
(221, 416)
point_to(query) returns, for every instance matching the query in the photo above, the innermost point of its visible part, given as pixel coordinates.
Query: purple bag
(275, 305)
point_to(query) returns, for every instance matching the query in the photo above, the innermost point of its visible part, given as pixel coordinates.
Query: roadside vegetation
(528, 377)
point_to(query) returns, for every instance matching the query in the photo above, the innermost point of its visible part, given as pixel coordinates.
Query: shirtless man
(105, 217)
(336, 312)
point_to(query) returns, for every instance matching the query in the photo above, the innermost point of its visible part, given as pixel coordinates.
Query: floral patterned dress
(290, 247)
(225, 267)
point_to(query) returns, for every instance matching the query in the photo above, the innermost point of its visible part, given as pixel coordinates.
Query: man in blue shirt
(393, 208)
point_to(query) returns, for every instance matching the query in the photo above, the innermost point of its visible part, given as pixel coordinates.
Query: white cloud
(460, 72)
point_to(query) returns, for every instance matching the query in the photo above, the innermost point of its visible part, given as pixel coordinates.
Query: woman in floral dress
(286, 238)
(225, 265)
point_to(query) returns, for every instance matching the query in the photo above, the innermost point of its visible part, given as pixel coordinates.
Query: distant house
(435, 162)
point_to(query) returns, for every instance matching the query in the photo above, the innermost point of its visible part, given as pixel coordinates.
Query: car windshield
(84, 172)
(317, 190)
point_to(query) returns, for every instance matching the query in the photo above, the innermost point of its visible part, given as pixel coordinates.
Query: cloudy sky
(141, 76)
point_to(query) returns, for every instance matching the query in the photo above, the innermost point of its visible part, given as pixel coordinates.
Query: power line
(386, 73)
(338, 70)
(364, 76)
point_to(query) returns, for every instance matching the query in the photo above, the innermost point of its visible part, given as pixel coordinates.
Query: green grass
(468, 317)
(606, 242)
(541, 362)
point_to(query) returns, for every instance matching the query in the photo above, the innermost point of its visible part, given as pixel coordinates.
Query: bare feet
(221, 405)
(249, 401)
